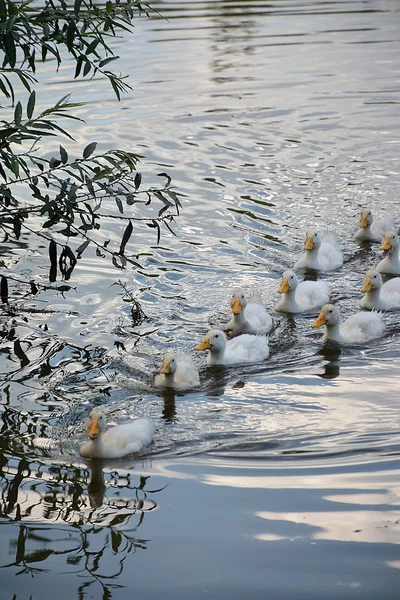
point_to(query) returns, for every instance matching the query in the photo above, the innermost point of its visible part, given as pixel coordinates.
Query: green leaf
(10, 49)
(138, 180)
(125, 237)
(168, 178)
(92, 46)
(90, 148)
(86, 68)
(18, 114)
(4, 289)
(53, 260)
(77, 6)
(31, 105)
(63, 155)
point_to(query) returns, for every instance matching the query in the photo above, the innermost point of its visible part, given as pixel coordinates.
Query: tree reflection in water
(64, 512)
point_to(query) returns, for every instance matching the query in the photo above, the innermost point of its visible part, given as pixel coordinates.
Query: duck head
(169, 364)
(366, 217)
(313, 240)
(389, 242)
(328, 316)
(289, 282)
(215, 341)
(372, 280)
(238, 302)
(96, 424)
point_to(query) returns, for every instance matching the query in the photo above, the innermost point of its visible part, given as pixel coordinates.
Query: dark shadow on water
(330, 352)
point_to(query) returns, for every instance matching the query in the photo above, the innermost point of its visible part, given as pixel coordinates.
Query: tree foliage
(64, 194)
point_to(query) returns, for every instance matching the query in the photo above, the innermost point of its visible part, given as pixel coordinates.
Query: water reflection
(331, 353)
(105, 511)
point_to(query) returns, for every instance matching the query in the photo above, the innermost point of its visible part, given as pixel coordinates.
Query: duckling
(370, 230)
(248, 316)
(378, 295)
(301, 296)
(391, 262)
(321, 252)
(177, 371)
(118, 441)
(357, 329)
(242, 349)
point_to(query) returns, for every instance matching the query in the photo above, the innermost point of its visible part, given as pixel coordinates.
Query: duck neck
(312, 258)
(97, 446)
(239, 319)
(216, 356)
(290, 299)
(333, 332)
(372, 297)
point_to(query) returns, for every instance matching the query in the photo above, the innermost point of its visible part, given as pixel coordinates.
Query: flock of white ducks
(248, 329)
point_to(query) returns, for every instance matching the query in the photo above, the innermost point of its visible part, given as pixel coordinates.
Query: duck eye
(330, 311)
(216, 335)
(291, 277)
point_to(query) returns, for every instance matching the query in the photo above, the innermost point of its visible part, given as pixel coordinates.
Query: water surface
(280, 478)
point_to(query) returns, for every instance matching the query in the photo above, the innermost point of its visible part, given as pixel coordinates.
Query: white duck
(391, 262)
(177, 371)
(357, 329)
(378, 295)
(118, 441)
(301, 296)
(242, 349)
(248, 316)
(321, 252)
(370, 230)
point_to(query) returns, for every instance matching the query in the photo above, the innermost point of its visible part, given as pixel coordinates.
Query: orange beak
(367, 286)
(93, 430)
(284, 287)
(385, 244)
(165, 368)
(319, 321)
(363, 221)
(309, 244)
(236, 307)
(204, 344)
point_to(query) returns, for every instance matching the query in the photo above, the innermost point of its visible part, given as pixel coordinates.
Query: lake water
(280, 479)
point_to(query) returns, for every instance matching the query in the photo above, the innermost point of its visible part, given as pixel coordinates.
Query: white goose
(118, 441)
(370, 230)
(391, 263)
(321, 252)
(378, 295)
(242, 349)
(249, 316)
(357, 329)
(301, 296)
(177, 371)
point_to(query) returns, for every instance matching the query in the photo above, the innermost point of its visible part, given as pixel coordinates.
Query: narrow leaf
(4, 289)
(53, 261)
(138, 180)
(125, 237)
(90, 148)
(63, 155)
(168, 178)
(79, 251)
(18, 114)
(31, 105)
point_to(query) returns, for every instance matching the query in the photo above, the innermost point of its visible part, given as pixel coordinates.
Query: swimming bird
(241, 349)
(379, 295)
(119, 440)
(370, 230)
(177, 371)
(391, 261)
(301, 296)
(320, 252)
(249, 316)
(357, 329)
